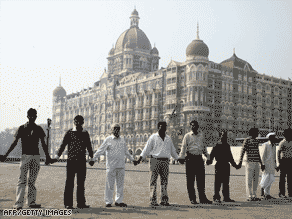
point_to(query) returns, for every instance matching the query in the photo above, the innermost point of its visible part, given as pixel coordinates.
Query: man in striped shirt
(193, 146)
(252, 168)
(160, 148)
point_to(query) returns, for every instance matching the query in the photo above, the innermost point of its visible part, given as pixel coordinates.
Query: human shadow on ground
(5, 200)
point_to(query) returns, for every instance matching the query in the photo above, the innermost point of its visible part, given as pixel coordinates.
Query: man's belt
(160, 158)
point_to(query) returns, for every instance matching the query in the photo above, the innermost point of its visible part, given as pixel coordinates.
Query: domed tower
(132, 52)
(197, 68)
(58, 101)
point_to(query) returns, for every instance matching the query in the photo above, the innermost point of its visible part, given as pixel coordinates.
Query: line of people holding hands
(160, 149)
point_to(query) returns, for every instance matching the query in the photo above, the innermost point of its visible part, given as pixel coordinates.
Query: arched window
(239, 88)
(259, 98)
(284, 92)
(268, 88)
(268, 100)
(284, 103)
(276, 101)
(276, 90)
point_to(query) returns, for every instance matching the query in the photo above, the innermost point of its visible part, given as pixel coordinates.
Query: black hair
(194, 122)
(252, 131)
(287, 133)
(32, 112)
(79, 118)
(162, 123)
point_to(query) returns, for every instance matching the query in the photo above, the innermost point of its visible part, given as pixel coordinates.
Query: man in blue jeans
(30, 134)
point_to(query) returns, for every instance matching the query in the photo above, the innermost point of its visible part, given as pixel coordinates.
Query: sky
(43, 40)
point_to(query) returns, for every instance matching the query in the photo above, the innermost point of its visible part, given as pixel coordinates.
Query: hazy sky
(41, 40)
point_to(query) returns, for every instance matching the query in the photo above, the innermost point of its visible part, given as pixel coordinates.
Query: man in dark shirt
(30, 134)
(78, 140)
(223, 156)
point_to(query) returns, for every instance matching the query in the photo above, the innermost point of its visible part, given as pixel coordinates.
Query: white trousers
(252, 170)
(266, 182)
(114, 176)
(29, 164)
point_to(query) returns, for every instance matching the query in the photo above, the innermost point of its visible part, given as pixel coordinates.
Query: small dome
(112, 51)
(154, 51)
(135, 12)
(197, 48)
(59, 91)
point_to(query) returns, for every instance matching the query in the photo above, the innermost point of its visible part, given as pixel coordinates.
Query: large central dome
(134, 37)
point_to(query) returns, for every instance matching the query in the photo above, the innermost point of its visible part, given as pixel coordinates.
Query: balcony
(122, 119)
(155, 102)
(116, 108)
(154, 115)
(138, 116)
(123, 107)
(116, 120)
(129, 118)
(146, 116)
(130, 106)
(138, 105)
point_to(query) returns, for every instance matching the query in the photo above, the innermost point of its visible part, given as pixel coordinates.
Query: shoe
(83, 206)
(121, 205)
(229, 200)
(17, 208)
(216, 201)
(34, 205)
(69, 207)
(154, 204)
(250, 199)
(108, 205)
(256, 199)
(165, 204)
(282, 196)
(206, 201)
(267, 197)
(194, 202)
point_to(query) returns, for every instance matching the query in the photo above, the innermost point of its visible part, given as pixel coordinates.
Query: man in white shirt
(269, 160)
(194, 146)
(116, 150)
(160, 148)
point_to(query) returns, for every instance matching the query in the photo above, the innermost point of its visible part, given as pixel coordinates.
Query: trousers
(222, 174)
(79, 169)
(28, 164)
(252, 170)
(195, 170)
(159, 166)
(113, 176)
(285, 171)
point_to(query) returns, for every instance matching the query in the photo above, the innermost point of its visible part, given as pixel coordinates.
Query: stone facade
(135, 93)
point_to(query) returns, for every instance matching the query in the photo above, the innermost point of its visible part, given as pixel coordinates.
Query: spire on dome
(233, 51)
(197, 31)
(60, 81)
(134, 18)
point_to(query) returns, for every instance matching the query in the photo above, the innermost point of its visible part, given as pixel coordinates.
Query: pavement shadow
(5, 200)
(114, 210)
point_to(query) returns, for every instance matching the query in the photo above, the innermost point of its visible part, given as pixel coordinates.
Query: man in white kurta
(115, 149)
(269, 160)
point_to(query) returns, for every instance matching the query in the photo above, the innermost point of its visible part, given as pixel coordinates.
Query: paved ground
(51, 179)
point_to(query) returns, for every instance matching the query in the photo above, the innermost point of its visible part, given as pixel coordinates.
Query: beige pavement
(51, 180)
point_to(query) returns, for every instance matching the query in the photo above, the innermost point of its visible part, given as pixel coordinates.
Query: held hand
(208, 162)
(181, 161)
(278, 168)
(2, 158)
(263, 167)
(91, 163)
(136, 162)
(54, 161)
(238, 166)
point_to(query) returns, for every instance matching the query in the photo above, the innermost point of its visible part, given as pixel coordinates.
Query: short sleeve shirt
(286, 148)
(252, 149)
(30, 134)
